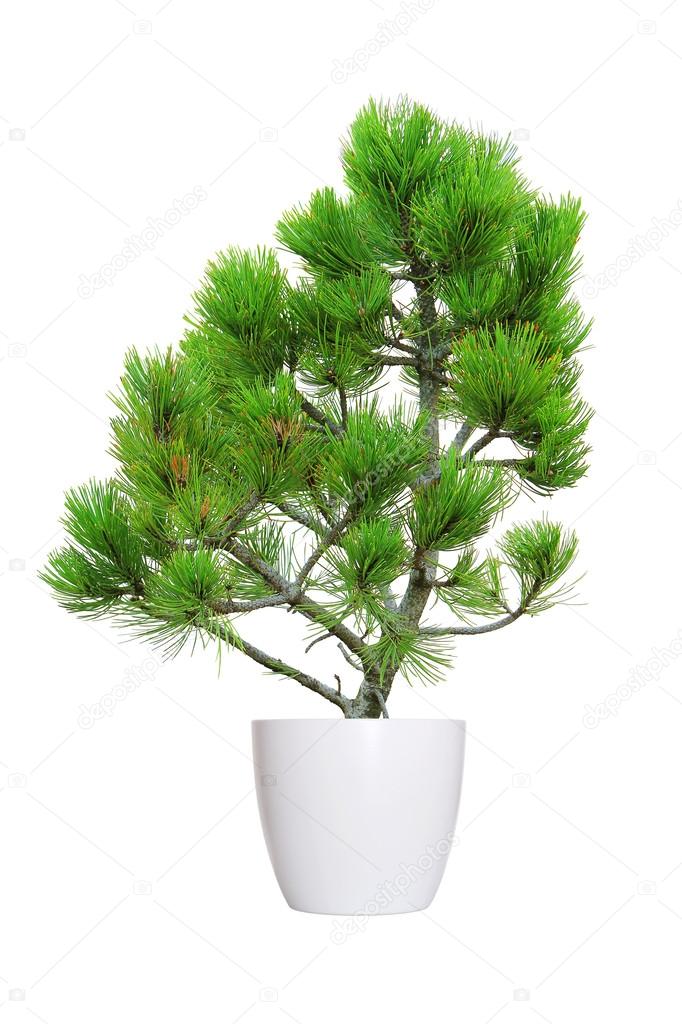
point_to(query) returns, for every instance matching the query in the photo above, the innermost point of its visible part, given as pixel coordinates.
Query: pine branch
(280, 667)
(395, 340)
(299, 516)
(533, 591)
(229, 607)
(330, 538)
(350, 659)
(316, 641)
(481, 443)
(509, 463)
(343, 402)
(316, 414)
(398, 361)
(464, 433)
(462, 436)
(294, 594)
(487, 627)
(397, 343)
(417, 362)
(238, 518)
(233, 524)
(291, 591)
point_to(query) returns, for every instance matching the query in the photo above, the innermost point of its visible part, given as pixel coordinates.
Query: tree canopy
(341, 443)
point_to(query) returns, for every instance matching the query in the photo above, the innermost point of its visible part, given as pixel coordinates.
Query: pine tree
(326, 446)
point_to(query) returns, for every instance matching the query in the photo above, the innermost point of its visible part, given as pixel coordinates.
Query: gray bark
(375, 688)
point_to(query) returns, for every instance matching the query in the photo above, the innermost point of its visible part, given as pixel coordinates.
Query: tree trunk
(375, 688)
(371, 697)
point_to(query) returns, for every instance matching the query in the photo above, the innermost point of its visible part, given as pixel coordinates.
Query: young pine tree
(259, 468)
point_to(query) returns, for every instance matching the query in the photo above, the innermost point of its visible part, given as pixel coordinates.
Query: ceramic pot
(358, 814)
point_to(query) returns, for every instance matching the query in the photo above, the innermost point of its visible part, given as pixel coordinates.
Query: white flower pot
(358, 814)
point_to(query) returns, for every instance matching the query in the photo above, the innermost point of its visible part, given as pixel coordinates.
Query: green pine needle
(458, 507)
(539, 553)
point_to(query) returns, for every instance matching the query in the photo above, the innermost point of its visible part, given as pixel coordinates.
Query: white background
(135, 882)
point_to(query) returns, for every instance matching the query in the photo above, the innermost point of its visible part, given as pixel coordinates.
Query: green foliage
(559, 458)
(364, 568)
(273, 451)
(334, 364)
(420, 657)
(394, 151)
(375, 460)
(529, 279)
(357, 301)
(473, 588)
(161, 394)
(179, 603)
(339, 325)
(466, 223)
(104, 559)
(545, 262)
(269, 542)
(539, 553)
(175, 461)
(240, 330)
(258, 461)
(328, 234)
(202, 508)
(459, 506)
(500, 377)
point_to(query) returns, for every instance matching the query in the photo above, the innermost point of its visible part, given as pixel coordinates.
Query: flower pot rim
(352, 721)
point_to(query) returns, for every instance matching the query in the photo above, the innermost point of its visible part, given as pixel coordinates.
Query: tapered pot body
(358, 815)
